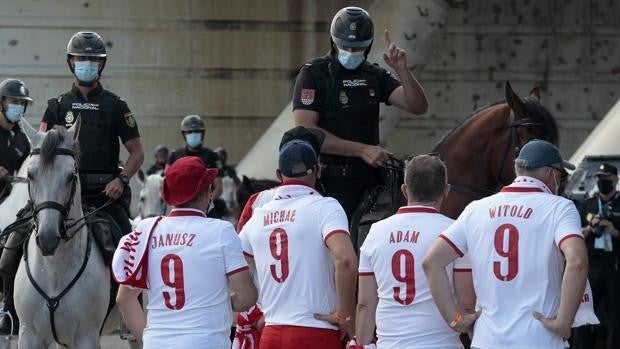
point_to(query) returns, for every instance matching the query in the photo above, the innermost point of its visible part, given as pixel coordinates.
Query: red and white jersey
(513, 239)
(189, 259)
(407, 316)
(295, 269)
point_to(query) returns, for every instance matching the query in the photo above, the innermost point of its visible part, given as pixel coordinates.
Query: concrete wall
(233, 61)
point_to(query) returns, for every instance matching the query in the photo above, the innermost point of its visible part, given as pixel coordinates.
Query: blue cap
(538, 153)
(297, 159)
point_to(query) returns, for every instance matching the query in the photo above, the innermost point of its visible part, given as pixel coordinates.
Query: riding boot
(8, 316)
(13, 250)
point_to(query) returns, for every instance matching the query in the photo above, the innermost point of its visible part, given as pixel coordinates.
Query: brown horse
(480, 152)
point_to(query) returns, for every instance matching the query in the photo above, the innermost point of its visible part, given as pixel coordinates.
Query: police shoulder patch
(130, 120)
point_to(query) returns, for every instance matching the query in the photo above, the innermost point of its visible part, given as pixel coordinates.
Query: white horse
(151, 203)
(60, 261)
(16, 200)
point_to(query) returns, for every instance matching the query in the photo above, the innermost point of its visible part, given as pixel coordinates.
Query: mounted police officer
(104, 118)
(14, 148)
(340, 94)
(193, 132)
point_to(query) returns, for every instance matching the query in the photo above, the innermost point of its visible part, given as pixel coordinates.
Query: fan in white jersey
(187, 263)
(305, 263)
(392, 285)
(528, 258)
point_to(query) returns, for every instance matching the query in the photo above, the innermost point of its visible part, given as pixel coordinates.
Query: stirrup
(6, 312)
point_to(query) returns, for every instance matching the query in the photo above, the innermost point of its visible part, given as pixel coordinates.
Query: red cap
(186, 178)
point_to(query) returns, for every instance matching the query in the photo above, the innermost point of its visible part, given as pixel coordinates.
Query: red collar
(294, 182)
(186, 212)
(521, 190)
(416, 209)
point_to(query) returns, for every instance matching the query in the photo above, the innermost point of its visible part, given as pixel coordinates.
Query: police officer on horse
(340, 94)
(104, 118)
(14, 148)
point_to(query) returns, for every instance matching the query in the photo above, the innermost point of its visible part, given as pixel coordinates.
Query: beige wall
(232, 61)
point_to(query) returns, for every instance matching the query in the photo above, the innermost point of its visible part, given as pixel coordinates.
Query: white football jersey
(513, 239)
(295, 269)
(393, 253)
(189, 259)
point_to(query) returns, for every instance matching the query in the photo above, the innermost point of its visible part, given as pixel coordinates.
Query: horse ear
(246, 181)
(141, 176)
(535, 93)
(75, 129)
(33, 135)
(514, 101)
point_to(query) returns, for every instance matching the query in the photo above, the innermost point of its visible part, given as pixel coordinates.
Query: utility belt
(347, 170)
(95, 182)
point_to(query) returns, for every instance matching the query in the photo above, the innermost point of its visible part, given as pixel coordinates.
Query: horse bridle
(62, 208)
(513, 143)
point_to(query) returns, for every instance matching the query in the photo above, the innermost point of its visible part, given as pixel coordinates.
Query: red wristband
(341, 317)
(457, 319)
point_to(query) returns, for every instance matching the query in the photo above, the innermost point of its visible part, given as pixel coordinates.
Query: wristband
(457, 319)
(341, 317)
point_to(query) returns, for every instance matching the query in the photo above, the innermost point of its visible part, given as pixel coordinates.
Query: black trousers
(605, 282)
(118, 210)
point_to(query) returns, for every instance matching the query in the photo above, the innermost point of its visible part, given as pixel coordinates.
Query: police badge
(69, 118)
(344, 99)
(129, 120)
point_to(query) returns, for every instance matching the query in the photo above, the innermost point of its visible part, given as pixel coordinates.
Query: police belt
(347, 170)
(90, 181)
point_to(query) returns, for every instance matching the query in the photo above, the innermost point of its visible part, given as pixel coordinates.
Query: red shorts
(297, 337)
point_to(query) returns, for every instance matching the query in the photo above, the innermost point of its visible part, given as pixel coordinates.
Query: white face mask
(350, 60)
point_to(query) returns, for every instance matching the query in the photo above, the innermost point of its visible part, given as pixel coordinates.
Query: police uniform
(14, 148)
(208, 156)
(104, 117)
(348, 105)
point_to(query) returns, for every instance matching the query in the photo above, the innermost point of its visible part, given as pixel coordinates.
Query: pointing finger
(386, 34)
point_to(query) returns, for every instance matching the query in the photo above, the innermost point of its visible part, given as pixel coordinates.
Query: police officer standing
(14, 146)
(193, 132)
(161, 159)
(104, 118)
(600, 217)
(340, 94)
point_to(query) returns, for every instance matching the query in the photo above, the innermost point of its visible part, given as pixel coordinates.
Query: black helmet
(352, 27)
(86, 44)
(161, 150)
(15, 88)
(192, 123)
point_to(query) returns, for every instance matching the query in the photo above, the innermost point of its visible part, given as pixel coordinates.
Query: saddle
(106, 234)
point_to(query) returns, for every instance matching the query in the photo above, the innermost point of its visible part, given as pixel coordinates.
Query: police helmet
(15, 88)
(161, 150)
(352, 27)
(192, 123)
(86, 44)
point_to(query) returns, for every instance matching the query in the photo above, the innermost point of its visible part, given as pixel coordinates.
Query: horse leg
(88, 341)
(28, 339)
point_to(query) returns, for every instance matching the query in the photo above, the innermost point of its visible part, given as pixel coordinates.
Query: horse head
(530, 119)
(52, 182)
(151, 204)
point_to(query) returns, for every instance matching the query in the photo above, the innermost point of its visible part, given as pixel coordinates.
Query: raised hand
(393, 55)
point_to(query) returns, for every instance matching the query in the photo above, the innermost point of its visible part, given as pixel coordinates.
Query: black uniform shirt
(14, 148)
(104, 118)
(209, 157)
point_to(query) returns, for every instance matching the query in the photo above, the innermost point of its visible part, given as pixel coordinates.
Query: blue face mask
(350, 60)
(86, 71)
(193, 140)
(14, 112)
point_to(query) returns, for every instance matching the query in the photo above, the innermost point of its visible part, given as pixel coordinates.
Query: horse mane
(463, 122)
(54, 139)
(536, 111)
